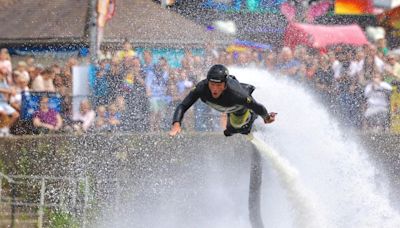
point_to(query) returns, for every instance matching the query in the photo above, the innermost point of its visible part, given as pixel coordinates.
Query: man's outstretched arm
(181, 109)
(260, 110)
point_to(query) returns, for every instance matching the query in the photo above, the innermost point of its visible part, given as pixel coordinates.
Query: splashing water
(306, 214)
(315, 175)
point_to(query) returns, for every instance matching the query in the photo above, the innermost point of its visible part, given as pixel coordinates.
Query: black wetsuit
(235, 99)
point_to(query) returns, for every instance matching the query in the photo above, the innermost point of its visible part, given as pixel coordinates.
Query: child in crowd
(86, 117)
(114, 117)
(101, 122)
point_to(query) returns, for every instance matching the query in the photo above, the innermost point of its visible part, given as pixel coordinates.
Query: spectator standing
(20, 86)
(392, 69)
(198, 69)
(270, 61)
(101, 85)
(243, 58)
(211, 54)
(254, 59)
(59, 86)
(37, 83)
(22, 68)
(148, 67)
(382, 48)
(67, 76)
(34, 72)
(287, 65)
(335, 60)
(71, 62)
(227, 58)
(30, 61)
(184, 85)
(66, 97)
(56, 69)
(148, 70)
(156, 89)
(134, 93)
(395, 108)
(48, 77)
(357, 65)
(371, 63)
(86, 117)
(377, 93)
(357, 99)
(172, 90)
(113, 117)
(324, 81)
(306, 65)
(101, 121)
(126, 52)
(6, 111)
(115, 77)
(5, 62)
(120, 105)
(343, 85)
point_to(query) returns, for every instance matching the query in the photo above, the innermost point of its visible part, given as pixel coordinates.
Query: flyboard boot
(240, 123)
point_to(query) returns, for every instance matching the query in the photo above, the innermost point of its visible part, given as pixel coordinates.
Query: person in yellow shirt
(126, 52)
(395, 108)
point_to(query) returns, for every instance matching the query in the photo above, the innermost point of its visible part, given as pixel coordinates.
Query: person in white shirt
(37, 84)
(356, 66)
(377, 93)
(48, 77)
(5, 62)
(20, 86)
(365, 63)
(8, 115)
(86, 117)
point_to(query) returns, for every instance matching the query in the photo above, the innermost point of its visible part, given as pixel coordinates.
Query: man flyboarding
(224, 93)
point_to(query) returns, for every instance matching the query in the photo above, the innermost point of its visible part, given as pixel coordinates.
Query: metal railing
(45, 182)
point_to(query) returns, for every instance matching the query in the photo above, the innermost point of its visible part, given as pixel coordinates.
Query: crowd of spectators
(133, 92)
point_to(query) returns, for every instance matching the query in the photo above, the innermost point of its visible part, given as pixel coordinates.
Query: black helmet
(217, 73)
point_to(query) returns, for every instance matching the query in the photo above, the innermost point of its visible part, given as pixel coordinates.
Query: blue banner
(30, 103)
(173, 55)
(245, 5)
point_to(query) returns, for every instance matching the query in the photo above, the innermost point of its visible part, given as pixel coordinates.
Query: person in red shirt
(46, 119)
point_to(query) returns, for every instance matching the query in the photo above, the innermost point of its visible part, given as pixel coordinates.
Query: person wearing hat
(224, 93)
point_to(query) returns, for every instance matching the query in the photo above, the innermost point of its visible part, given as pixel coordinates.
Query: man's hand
(271, 118)
(175, 129)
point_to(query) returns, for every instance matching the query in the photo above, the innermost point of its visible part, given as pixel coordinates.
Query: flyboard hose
(255, 188)
(256, 179)
(306, 211)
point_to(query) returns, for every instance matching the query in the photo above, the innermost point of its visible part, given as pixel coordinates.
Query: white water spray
(321, 177)
(307, 213)
(315, 175)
